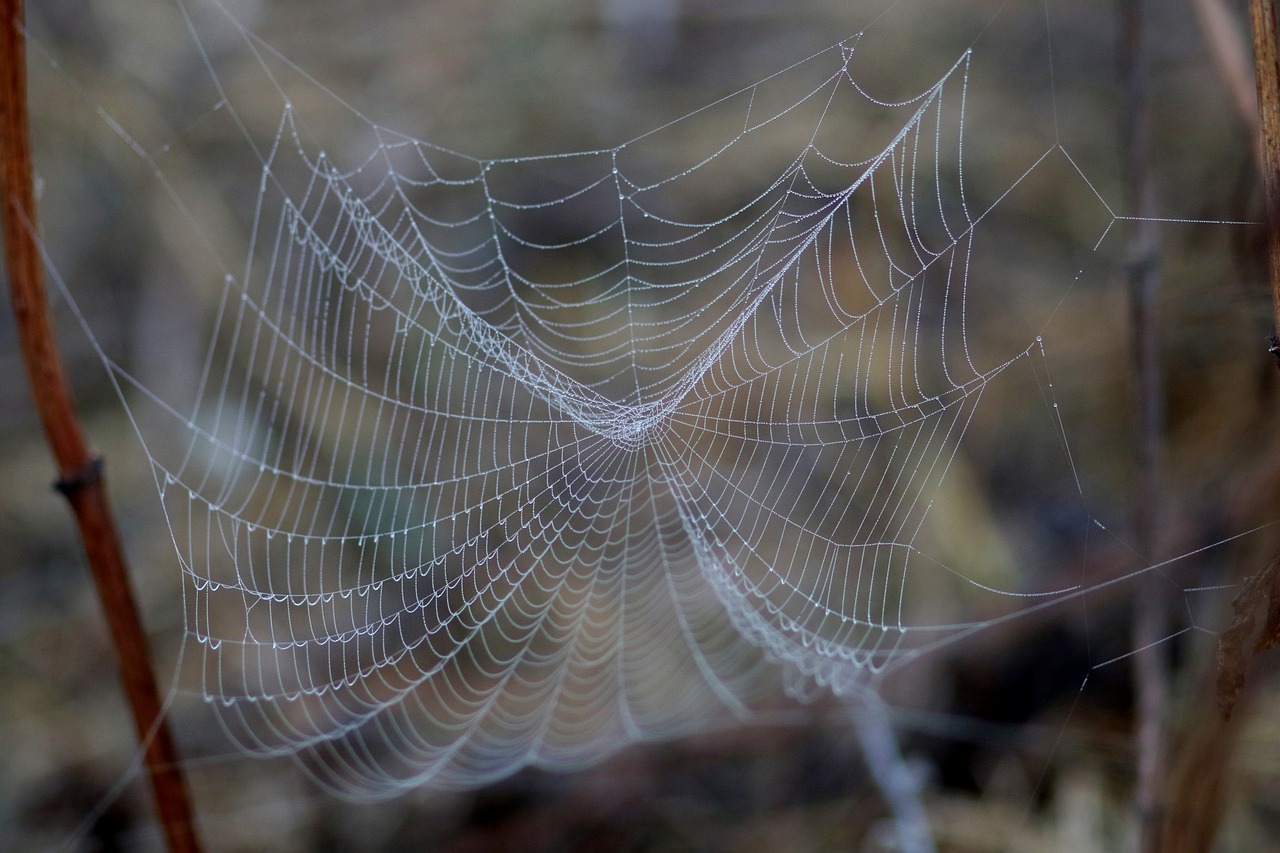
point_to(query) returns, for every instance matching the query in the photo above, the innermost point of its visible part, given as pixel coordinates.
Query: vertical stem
(79, 471)
(1151, 673)
(1266, 60)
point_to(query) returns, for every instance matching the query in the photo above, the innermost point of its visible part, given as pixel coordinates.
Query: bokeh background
(1024, 741)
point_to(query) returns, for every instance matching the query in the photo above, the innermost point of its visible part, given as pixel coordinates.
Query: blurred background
(1023, 732)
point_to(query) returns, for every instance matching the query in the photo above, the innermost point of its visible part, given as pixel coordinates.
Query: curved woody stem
(80, 477)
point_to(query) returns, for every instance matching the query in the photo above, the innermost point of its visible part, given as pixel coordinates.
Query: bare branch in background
(1151, 609)
(1230, 53)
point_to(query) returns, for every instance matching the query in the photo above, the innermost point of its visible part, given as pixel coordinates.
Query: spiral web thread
(519, 461)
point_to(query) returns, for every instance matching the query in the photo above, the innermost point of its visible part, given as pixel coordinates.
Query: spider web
(512, 461)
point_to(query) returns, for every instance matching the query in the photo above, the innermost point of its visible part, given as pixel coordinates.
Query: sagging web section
(500, 462)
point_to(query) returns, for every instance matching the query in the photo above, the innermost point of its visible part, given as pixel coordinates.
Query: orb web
(509, 462)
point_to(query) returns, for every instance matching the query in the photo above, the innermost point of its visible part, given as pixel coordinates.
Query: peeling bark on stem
(1266, 60)
(79, 471)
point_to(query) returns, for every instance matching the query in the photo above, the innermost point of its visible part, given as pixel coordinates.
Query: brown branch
(1266, 63)
(1198, 790)
(1242, 639)
(79, 471)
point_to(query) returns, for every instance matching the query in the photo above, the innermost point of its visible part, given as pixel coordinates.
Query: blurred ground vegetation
(1019, 755)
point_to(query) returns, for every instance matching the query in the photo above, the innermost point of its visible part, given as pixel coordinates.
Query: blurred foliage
(1020, 755)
